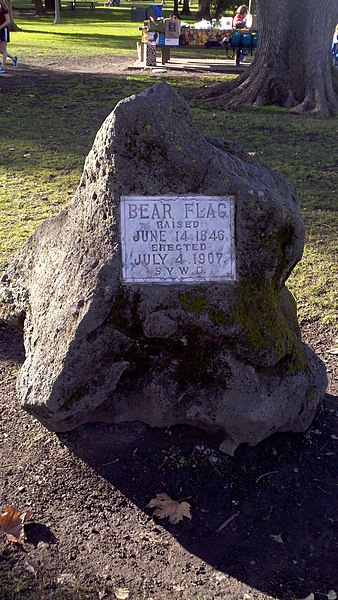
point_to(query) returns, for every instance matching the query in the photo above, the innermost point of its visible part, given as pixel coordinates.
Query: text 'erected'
(177, 239)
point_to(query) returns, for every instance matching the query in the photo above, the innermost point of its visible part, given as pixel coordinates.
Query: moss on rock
(193, 302)
(259, 312)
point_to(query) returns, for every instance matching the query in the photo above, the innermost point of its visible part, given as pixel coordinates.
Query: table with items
(229, 39)
(168, 33)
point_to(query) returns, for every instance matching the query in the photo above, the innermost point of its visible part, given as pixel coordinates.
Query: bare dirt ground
(91, 531)
(121, 65)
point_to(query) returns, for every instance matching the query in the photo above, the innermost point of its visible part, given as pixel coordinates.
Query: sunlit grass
(107, 31)
(313, 284)
(103, 34)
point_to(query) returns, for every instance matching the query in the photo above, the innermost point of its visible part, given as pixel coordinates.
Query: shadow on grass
(100, 40)
(51, 111)
(56, 112)
(104, 15)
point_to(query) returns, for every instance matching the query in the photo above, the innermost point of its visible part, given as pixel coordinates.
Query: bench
(23, 8)
(82, 4)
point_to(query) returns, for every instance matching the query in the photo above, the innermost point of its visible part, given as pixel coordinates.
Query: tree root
(259, 88)
(322, 103)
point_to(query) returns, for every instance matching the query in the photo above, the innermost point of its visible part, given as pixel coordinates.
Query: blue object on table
(150, 11)
(236, 39)
(246, 40)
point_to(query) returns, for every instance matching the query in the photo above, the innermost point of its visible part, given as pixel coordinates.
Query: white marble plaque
(177, 239)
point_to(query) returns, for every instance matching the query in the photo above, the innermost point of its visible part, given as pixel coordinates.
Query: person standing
(5, 36)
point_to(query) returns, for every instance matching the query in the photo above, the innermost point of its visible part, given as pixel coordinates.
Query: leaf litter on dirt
(227, 522)
(121, 593)
(12, 523)
(167, 507)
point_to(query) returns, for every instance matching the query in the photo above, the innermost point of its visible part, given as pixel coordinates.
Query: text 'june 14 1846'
(177, 239)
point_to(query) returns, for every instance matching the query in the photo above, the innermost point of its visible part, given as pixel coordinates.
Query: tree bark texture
(291, 66)
(186, 8)
(175, 10)
(203, 10)
(57, 17)
(39, 7)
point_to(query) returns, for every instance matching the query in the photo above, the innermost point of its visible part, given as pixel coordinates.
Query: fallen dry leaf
(166, 507)
(121, 593)
(12, 523)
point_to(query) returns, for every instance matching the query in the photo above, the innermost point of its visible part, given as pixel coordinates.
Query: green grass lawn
(104, 31)
(48, 126)
(107, 30)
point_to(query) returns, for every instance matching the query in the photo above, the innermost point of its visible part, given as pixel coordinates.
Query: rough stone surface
(226, 357)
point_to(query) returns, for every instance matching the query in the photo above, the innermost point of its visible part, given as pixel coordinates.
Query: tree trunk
(175, 11)
(186, 8)
(57, 19)
(13, 26)
(39, 7)
(252, 6)
(291, 67)
(203, 10)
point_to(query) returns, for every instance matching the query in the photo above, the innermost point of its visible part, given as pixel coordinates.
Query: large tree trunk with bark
(291, 67)
(203, 10)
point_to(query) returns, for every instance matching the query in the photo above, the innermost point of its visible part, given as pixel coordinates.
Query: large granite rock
(226, 356)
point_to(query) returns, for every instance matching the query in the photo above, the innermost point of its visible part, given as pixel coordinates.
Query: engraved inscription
(177, 239)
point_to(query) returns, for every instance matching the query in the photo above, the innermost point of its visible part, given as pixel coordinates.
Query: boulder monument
(159, 293)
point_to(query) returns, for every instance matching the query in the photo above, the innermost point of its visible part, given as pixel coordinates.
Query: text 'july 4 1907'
(177, 239)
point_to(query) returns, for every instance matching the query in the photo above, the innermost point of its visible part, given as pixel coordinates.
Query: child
(239, 21)
(4, 36)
